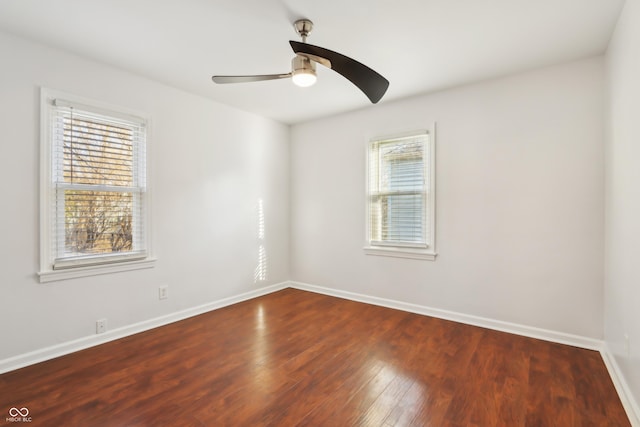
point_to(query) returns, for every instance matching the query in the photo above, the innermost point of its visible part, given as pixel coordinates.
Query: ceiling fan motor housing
(302, 64)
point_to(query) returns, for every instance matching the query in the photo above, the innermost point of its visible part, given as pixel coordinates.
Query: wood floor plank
(298, 358)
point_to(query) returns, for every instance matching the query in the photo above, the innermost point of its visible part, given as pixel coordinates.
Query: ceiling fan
(303, 67)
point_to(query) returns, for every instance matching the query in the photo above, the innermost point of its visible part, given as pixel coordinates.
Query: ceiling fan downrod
(303, 27)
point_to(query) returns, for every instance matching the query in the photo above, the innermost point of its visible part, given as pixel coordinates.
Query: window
(401, 196)
(93, 189)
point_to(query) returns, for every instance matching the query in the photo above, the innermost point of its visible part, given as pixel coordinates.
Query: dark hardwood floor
(299, 358)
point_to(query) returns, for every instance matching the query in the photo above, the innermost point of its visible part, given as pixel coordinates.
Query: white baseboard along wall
(58, 350)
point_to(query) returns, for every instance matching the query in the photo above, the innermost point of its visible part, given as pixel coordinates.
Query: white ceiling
(418, 45)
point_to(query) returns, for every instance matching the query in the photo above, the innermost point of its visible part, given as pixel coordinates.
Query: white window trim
(47, 272)
(402, 250)
(397, 252)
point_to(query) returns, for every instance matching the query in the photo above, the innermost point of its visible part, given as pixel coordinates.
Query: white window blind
(98, 179)
(398, 199)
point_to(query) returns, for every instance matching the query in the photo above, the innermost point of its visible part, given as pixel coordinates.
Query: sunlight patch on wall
(261, 272)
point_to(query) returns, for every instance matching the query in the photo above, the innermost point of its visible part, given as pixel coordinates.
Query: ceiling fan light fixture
(303, 67)
(304, 71)
(304, 79)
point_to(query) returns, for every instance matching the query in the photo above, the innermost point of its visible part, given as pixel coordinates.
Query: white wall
(519, 200)
(622, 224)
(209, 166)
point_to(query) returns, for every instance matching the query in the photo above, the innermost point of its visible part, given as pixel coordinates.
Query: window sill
(397, 252)
(72, 273)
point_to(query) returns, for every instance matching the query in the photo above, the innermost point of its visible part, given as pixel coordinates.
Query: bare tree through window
(98, 159)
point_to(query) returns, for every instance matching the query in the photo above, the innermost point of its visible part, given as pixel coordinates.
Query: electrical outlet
(163, 292)
(101, 326)
(627, 348)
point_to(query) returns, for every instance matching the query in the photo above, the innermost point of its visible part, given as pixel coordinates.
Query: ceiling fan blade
(368, 81)
(245, 79)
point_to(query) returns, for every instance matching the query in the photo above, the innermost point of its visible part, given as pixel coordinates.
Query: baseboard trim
(626, 397)
(498, 325)
(41, 355)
